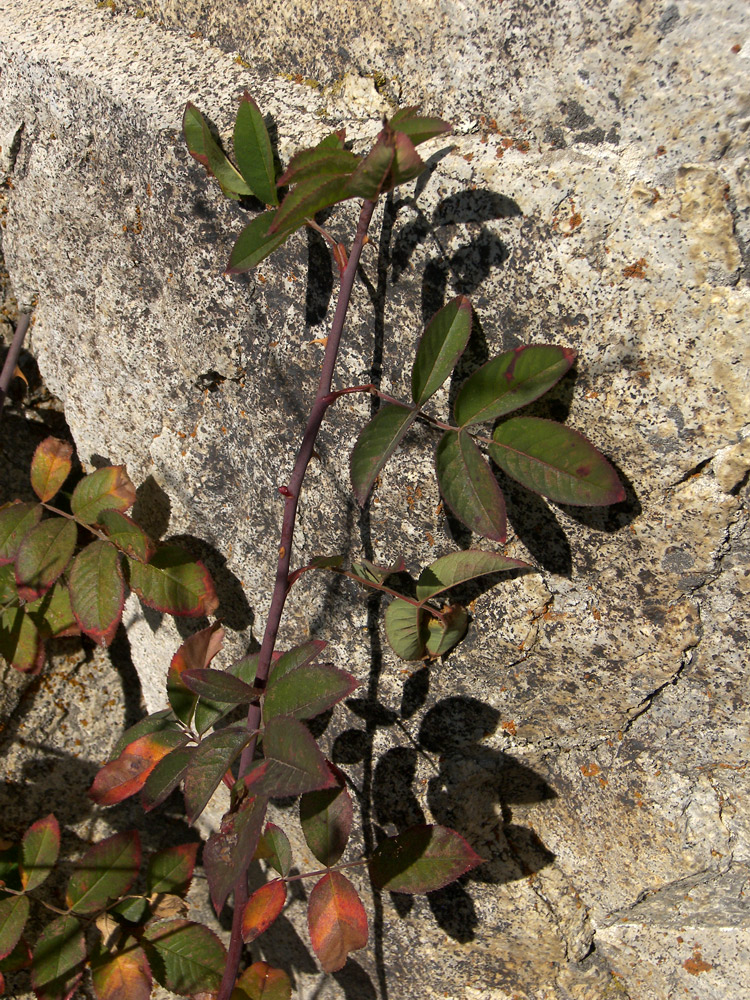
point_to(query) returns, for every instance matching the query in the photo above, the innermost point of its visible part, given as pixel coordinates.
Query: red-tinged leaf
(255, 243)
(377, 441)
(154, 723)
(185, 957)
(195, 653)
(19, 958)
(417, 128)
(16, 521)
(97, 591)
(14, 912)
(510, 381)
(440, 347)
(406, 630)
(58, 959)
(459, 567)
(555, 461)
(294, 760)
(20, 642)
(208, 712)
(127, 775)
(109, 488)
(337, 921)
(40, 847)
(105, 872)
(209, 763)
(326, 819)
(174, 582)
(307, 691)
(219, 685)
(263, 907)
(52, 612)
(171, 870)
(123, 976)
(443, 635)
(192, 128)
(228, 853)
(300, 656)
(262, 982)
(165, 777)
(421, 859)
(373, 174)
(43, 556)
(253, 150)
(50, 467)
(8, 589)
(274, 847)
(127, 535)
(407, 163)
(327, 158)
(469, 487)
(307, 199)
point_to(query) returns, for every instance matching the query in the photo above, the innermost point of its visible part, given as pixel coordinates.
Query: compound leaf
(174, 582)
(262, 982)
(50, 467)
(58, 959)
(185, 957)
(151, 724)
(337, 921)
(406, 630)
(109, 488)
(553, 460)
(306, 199)
(294, 761)
(263, 907)
(328, 158)
(97, 591)
(373, 174)
(377, 441)
(210, 761)
(105, 872)
(219, 685)
(252, 148)
(16, 521)
(43, 556)
(440, 347)
(417, 128)
(459, 567)
(326, 819)
(468, 486)
(421, 859)
(510, 381)
(40, 848)
(208, 712)
(297, 657)
(307, 691)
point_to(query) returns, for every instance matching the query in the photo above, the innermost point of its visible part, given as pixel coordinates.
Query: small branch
(11, 358)
(81, 524)
(323, 871)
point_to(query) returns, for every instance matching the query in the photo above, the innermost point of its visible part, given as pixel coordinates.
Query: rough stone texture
(590, 735)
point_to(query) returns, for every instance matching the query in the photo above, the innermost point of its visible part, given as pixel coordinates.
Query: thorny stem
(11, 358)
(281, 586)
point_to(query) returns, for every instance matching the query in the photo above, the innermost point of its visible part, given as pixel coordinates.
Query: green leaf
(14, 912)
(126, 776)
(326, 819)
(123, 976)
(20, 642)
(127, 535)
(105, 872)
(19, 958)
(274, 847)
(165, 777)
(262, 982)
(43, 555)
(406, 630)
(16, 522)
(327, 159)
(252, 148)
(307, 691)
(228, 853)
(262, 909)
(207, 151)
(308, 198)
(443, 635)
(293, 764)
(40, 848)
(185, 957)
(407, 163)
(255, 243)
(52, 612)
(219, 685)
(134, 908)
(376, 443)
(50, 467)
(196, 652)
(421, 859)
(297, 657)
(469, 487)
(106, 489)
(192, 127)
(210, 761)
(207, 712)
(417, 128)
(157, 722)
(555, 461)
(97, 591)
(459, 567)
(171, 870)
(336, 920)
(440, 347)
(174, 582)
(509, 381)
(373, 174)
(8, 589)
(367, 572)
(58, 959)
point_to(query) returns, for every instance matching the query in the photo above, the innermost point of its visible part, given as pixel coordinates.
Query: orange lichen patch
(320, 340)
(660, 151)
(637, 270)
(736, 48)
(597, 614)
(509, 727)
(696, 965)
(430, 539)
(522, 146)
(590, 770)
(575, 221)
(468, 157)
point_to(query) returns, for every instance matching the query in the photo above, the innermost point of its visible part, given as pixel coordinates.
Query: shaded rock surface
(590, 735)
